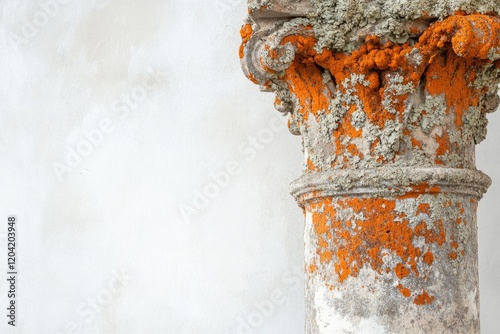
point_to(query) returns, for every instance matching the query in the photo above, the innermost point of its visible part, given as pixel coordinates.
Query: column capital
(376, 98)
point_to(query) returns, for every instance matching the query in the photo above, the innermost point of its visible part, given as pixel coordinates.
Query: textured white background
(117, 211)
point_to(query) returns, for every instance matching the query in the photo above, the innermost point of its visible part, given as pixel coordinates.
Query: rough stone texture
(390, 98)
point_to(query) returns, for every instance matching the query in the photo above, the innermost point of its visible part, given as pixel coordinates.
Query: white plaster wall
(117, 211)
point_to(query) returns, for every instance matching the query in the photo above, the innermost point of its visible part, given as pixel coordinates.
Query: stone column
(390, 98)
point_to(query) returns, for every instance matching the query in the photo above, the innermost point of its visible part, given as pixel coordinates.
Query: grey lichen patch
(337, 110)
(346, 100)
(429, 114)
(453, 159)
(254, 5)
(494, 54)
(358, 119)
(342, 24)
(430, 121)
(475, 125)
(348, 214)
(450, 209)
(397, 88)
(285, 56)
(488, 77)
(389, 137)
(316, 140)
(286, 102)
(459, 246)
(340, 104)
(409, 208)
(395, 92)
(327, 77)
(328, 123)
(348, 96)
(490, 102)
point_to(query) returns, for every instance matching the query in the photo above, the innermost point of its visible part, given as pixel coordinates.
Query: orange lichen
(353, 149)
(305, 79)
(424, 208)
(452, 76)
(404, 291)
(452, 51)
(424, 299)
(422, 188)
(444, 146)
(402, 271)
(471, 36)
(431, 235)
(246, 33)
(326, 256)
(310, 165)
(306, 82)
(382, 230)
(368, 61)
(416, 143)
(414, 30)
(252, 78)
(428, 258)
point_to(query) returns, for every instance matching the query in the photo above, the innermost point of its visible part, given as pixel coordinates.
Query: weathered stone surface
(390, 98)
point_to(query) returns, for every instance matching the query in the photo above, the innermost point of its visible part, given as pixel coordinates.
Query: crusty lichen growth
(390, 98)
(414, 104)
(418, 103)
(343, 24)
(255, 5)
(406, 239)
